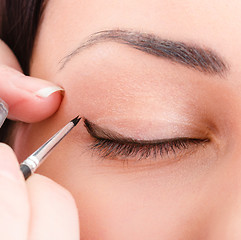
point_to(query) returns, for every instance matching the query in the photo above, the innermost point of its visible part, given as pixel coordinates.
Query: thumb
(29, 99)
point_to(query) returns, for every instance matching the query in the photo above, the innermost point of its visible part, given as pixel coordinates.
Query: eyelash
(114, 148)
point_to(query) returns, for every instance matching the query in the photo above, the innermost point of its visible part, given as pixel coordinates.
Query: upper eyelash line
(113, 148)
(111, 145)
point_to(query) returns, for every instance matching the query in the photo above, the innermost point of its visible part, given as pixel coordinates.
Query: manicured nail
(45, 92)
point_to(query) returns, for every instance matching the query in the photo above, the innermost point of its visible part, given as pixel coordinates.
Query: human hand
(29, 99)
(36, 209)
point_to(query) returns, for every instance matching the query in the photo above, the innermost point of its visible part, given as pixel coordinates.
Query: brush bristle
(76, 120)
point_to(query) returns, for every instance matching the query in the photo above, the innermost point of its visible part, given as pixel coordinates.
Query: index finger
(29, 99)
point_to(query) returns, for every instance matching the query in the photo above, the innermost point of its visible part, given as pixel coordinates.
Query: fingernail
(45, 92)
(3, 112)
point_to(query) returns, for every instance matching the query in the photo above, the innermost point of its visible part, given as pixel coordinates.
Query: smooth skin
(192, 194)
(19, 91)
(38, 208)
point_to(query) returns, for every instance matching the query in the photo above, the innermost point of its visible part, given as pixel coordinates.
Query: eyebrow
(190, 55)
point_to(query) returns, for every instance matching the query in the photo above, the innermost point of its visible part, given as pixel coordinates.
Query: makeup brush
(29, 165)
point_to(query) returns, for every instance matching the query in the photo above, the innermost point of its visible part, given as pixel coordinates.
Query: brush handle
(25, 170)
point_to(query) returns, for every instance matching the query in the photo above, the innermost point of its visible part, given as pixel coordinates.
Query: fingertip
(48, 196)
(47, 91)
(46, 106)
(6, 151)
(29, 99)
(36, 108)
(47, 185)
(9, 166)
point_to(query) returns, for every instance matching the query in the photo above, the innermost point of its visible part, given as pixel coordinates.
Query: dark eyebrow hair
(199, 58)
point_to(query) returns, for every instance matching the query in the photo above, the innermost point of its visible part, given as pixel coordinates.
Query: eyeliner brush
(29, 165)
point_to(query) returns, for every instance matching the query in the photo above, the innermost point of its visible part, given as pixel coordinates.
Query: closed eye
(134, 149)
(116, 146)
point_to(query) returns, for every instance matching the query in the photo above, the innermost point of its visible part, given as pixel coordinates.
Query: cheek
(119, 203)
(115, 202)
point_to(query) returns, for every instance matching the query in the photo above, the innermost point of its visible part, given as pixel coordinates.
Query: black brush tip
(76, 120)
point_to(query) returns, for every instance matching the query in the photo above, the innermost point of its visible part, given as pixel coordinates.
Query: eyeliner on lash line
(112, 144)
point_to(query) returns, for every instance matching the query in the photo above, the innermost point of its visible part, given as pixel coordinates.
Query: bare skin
(194, 193)
(24, 204)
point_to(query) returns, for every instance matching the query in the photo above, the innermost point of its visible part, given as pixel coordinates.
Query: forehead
(166, 16)
(215, 24)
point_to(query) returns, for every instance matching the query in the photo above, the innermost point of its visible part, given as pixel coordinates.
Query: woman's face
(139, 91)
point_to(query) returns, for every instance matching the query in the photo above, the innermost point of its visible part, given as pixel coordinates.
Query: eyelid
(101, 133)
(147, 129)
(112, 146)
(178, 131)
